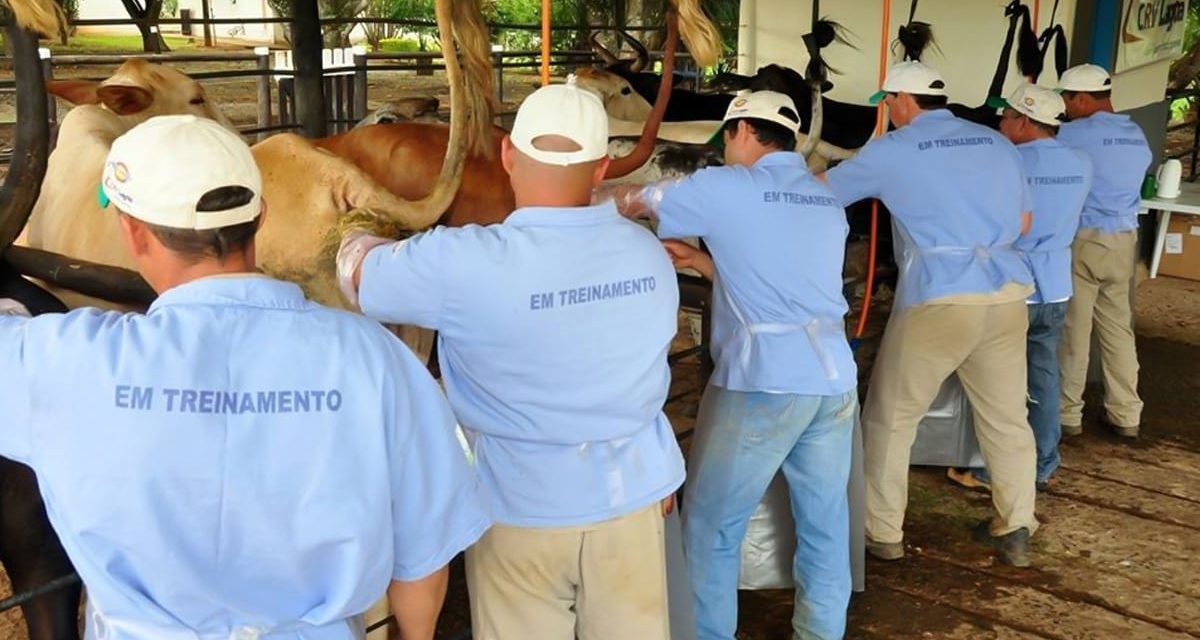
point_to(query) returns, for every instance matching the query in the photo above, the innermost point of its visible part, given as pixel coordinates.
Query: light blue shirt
(236, 457)
(1120, 157)
(778, 240)
(1059, 179)
(957, 191)
(554, 329)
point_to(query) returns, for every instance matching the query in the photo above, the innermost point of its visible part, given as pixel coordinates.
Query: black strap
(912, 10)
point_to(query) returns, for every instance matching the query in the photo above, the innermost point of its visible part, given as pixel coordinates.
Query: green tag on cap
(101, 197)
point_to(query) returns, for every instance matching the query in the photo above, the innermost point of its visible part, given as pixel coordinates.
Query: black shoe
(1124, 432)
(1012, 547)
(1042, 485)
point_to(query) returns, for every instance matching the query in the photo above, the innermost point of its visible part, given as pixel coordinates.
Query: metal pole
(545, 42)
(31, 148)
(360, 83)
(306, 56)
(206, 9)
(264, 90)
(498, 63)
(51, 103)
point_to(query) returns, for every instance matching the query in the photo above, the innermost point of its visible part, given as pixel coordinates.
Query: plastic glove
(10, 307)
(356, 243)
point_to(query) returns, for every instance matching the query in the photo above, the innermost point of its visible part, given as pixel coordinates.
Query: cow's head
(140, 90)
(618, 96)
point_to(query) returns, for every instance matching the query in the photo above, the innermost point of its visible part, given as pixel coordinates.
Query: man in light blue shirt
(958, 196)
(238, 462)
(1059, 178)
(554, 328)
(784, 392)
(1104, 254)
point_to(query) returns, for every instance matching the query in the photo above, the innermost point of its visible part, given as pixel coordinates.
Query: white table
(1188, 203)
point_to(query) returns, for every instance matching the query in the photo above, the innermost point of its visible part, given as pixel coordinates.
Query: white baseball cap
(1038, 103)
(565, 110)
(1085, 77)
(771, 106)
(158, 171)
(916, 78)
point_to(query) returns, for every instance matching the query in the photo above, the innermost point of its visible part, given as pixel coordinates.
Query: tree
(71, 9)
(335, 35)
(146, 12)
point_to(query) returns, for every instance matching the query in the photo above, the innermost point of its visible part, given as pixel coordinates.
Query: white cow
(306, 190)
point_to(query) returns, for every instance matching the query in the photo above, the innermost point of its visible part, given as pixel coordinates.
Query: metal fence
(345, 71)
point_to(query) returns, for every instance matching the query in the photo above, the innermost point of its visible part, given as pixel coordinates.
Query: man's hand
(685, 256)
(417, 604)
(1026, 222)
(668, 505)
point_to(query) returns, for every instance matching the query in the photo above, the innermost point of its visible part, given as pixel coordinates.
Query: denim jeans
(743, 439)
(1041, 349)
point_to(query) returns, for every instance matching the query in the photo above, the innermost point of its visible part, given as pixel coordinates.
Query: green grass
(97, 43)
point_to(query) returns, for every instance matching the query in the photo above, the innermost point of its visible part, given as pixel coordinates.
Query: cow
(645, 83)
(67, 219)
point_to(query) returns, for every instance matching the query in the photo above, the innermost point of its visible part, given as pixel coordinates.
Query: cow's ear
(124, 99)
(75, 91)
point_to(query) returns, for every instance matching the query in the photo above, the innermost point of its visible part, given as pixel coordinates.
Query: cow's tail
(628, 163)
(422, 213)
(40, 16)
(475, 50)
(698, 32)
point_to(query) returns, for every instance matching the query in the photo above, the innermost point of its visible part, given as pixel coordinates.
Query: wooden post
(306, 56)
(264, 90)
(31, 148)
(360, 83)
(206, 11)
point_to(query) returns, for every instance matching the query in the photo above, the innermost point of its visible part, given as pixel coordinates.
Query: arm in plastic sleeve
(353, 250)
(10, 307)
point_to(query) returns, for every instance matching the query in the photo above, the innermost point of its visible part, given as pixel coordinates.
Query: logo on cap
(120, 172)
(740, 102)
(1028, 101)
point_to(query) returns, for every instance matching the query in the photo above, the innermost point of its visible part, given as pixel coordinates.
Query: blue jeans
(1041, 353)
(742, 440)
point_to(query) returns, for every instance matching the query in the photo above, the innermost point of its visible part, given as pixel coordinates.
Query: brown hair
(198, 244)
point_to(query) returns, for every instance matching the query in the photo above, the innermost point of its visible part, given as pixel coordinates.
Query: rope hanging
(880, 127)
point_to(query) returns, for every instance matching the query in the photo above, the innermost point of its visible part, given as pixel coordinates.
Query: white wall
(969, 34)
(234, 9)
(105, 9)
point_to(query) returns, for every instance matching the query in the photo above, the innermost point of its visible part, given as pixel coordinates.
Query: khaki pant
(1102, 266)
(604, 581)
(923, 345)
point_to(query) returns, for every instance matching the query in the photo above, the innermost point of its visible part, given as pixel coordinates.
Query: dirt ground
(1115, 557)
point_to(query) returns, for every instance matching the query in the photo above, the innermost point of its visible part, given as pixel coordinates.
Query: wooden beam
(31, 148)
(88, 278)
(306, 58)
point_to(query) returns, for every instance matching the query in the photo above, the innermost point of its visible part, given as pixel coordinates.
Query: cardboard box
(1181, 251)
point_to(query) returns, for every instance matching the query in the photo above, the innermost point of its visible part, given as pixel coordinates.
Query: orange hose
(545, 42)
(880, 127)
